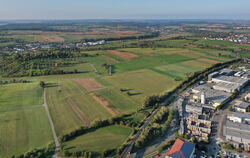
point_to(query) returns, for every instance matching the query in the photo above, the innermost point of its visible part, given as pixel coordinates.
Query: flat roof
(242, 104)
(214, 95)
(245, 116)
(232, 79)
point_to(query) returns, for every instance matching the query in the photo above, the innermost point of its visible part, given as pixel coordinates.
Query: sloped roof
(181, 149)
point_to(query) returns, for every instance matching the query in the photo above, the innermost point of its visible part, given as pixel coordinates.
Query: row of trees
(158, 127)
(38, 153)
(13, 81)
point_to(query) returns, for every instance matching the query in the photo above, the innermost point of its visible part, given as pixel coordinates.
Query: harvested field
(109, 107)
(78, 112)
(209, 60)
(90, 84)
(49, 39)
(123, 55)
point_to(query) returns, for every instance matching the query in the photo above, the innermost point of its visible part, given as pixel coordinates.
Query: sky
(124, 9)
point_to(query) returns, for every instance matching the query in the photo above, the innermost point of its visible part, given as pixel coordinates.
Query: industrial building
(241, 106)
(231, 80)
(238, 133)
(213, 97)
(240, 118)
(194, 109)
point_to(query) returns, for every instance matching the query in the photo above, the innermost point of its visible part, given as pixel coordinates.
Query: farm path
(51, 124)
(96, 71)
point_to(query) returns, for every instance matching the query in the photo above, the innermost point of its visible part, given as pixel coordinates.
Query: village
(36, 47)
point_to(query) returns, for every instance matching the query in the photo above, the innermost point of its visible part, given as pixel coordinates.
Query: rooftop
(242, 104)
(213, 95)
(232, 79)
(181, 149)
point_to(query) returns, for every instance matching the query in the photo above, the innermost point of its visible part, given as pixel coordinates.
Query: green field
(23, 130)
(17, 95)
(157, 69)
(178, 70)
(140, 83)
(109, 137)
(64, 118)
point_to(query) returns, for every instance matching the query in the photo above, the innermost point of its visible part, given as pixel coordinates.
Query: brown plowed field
(124, 55)
(78, 112)
(109, 107)
(209, 60)
(90, 84)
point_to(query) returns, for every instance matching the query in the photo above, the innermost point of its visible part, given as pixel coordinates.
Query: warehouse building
(241, 106)
(237, 132)
(213, 97)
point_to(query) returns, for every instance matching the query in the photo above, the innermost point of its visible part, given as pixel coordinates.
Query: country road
(51, 125)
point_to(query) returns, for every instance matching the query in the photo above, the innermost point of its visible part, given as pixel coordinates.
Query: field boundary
(108, 106)
(90, 84)
(78, 112)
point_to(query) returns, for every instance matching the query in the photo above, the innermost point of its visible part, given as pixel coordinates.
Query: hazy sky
(124, 9)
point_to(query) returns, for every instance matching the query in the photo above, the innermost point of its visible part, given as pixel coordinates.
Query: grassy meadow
(23, 130)
(152, 71)
(20, 95)
(109, 137)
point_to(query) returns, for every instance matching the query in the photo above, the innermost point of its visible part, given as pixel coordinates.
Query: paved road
(51, 125)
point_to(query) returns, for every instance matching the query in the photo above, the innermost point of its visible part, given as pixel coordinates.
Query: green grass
(63, 116)
(140, 82)
(109, 137)
(23, 130)
(174, 43)
(149, 62)
(120, 101)
(137, 117)
(135, 64)
(173, 58)
(178, 70)
(150, 51)
(16, 95)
